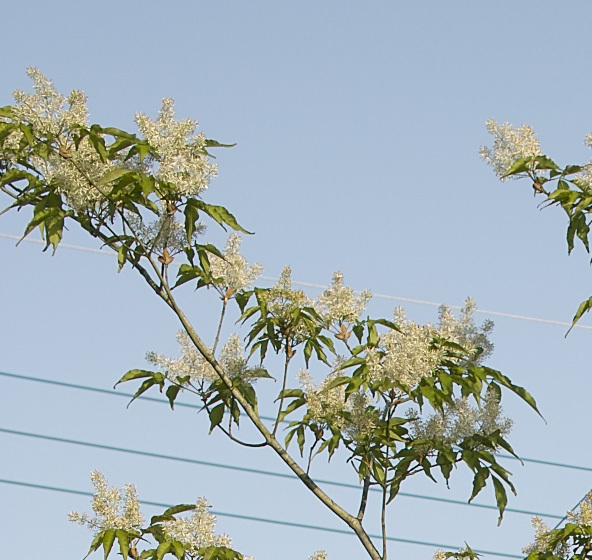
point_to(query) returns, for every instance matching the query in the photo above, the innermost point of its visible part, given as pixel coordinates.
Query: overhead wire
(263, 519)
(196, 407)
(324, 287)
(201, 462)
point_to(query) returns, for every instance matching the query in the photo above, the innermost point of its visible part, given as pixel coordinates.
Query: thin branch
(279, 412)
(364, 499)
(225, 302)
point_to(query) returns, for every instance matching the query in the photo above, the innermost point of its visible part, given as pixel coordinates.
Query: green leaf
(519, 166)
(96, 543)
(169, 513)
(112, 175)
(163, 548)
(134, 374)
(479, 480)
(216, 416)
(178, 549)
(500, 497)
(108, 539)
(543, 162)
(123, 539)
(215, 144)
(584, 307)
(171, 393)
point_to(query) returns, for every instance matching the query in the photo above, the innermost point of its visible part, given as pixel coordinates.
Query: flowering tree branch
(142, 197)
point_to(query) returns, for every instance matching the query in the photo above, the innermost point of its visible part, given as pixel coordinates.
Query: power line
(187, 405)
(262, 519)
(258, 471)
(324, 287)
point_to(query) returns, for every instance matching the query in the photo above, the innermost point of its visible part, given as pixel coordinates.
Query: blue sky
(357, 130)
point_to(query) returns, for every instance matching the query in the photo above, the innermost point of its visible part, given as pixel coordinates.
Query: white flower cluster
(76, 172)
(181, 156)
(197, 531)
(114, 508)
(464, 331)
(165, 232)
(509, 145)
(541, 540)
(350, 416)
(339, 304)
(318, 555)
(235, 273)
(192, 363)
(462, 420)
(282, 299)
(408, 353)
(581, 516)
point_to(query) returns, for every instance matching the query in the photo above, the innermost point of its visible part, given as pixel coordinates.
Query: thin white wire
(324, 287)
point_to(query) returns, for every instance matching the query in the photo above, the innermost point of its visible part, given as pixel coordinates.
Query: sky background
(357, 128)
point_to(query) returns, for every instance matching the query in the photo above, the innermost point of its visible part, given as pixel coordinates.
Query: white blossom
(318, 555)
(408, 354)
(339, 304)
(114, 508)
(76, 172)
(326, 405)
(181, 157)
(461, 420)
(197, 531)
(509, 145)
(191, 362)
(233, 270)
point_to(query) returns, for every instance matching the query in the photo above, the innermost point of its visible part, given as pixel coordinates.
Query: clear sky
(357, 129)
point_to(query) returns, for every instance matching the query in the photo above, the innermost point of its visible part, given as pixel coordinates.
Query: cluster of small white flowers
(439, 555)
(323, 402)
(409, 354)
(233, 269)
(318, 555)
(583, 515)
(113, 508)
(75, 172)
(461, 420)
(191, 363)
(464, 331)
(166, 231)
(197, 531)
(181, 156)
(509, 145)
(339, 304)
(541, 540)
(282, 300)
(44, 109)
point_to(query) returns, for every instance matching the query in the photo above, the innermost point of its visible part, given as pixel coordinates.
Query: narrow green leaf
(216, 416)
(215, 144)
(519, 166)
(123, 539)
(108, 539)
(96, 543)
(479, 481)
(134, 374)
(584, 307)
(168, 513)
(500, 497)
(162, 549)
(171, 393)
(112, 175)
